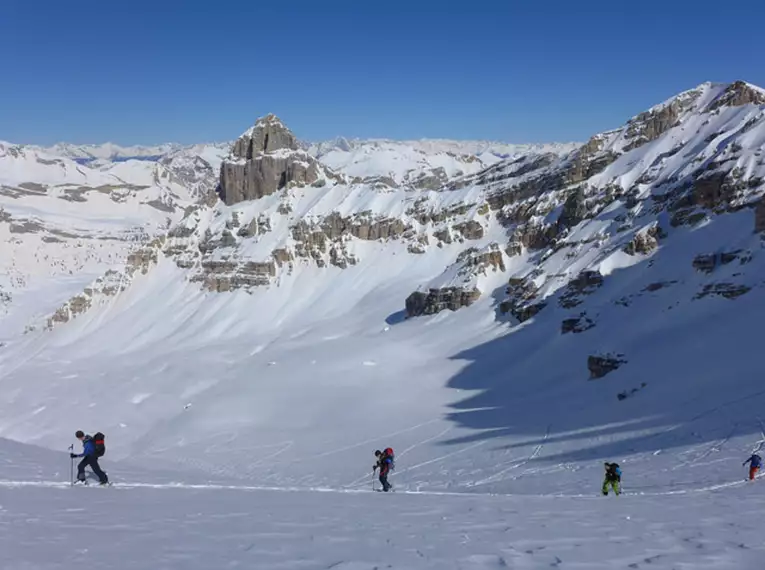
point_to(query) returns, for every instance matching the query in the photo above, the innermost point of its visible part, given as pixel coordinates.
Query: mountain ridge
(524, 321)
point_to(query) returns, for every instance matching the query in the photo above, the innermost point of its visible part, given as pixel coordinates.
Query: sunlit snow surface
(48, 525)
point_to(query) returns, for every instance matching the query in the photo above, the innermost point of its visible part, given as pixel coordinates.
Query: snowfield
(46, 525)
(245, 360)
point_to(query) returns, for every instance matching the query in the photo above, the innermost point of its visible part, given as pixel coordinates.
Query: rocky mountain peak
(268, 135)
(265, 159)
(737, 94)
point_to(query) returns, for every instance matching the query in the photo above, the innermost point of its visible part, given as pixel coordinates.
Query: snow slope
(405, 161)
(606, 308)
(108, 151)
(64, 225)
(50, 526)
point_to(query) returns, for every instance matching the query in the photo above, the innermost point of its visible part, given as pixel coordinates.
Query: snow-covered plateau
(248, 322)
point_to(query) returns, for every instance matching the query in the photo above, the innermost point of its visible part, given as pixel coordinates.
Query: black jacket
(611, 474)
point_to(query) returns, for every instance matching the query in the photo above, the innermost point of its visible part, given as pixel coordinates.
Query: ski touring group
(613, 476)
(93, 448)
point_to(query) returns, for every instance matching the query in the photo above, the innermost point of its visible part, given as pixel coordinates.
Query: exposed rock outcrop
(708, 262)
(432, 180)
(470, 264)
(264, 160)
(444, 235)
(477, 262)
(726, 290)
(574, 209)
(420, 246)
(577, 324)
(227, 275)
(584, 284)
(141, 260)
(736, 94)
(471, 230)
(588, 161)
(645, 242)
(535, 235)
(437, 300)
(514, 248)
(600, 365)
(363, 226)
(521, 292)
(650, 125)
(327, 236)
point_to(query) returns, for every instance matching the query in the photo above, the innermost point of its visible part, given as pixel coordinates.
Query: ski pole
(71, 465)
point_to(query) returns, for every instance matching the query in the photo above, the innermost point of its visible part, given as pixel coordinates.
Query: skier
(613, 478)
(90, 457)
(755, 462)
(384, 462)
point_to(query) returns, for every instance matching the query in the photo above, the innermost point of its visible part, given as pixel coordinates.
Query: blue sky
(140, 72)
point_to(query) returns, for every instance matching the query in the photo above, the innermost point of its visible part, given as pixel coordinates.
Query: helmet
(378, 453)
(79, 434)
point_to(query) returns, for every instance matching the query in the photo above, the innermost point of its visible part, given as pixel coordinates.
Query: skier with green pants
(613, 478)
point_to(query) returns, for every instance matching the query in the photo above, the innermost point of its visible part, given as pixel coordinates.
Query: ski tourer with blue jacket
(92, 449)
(755, 463)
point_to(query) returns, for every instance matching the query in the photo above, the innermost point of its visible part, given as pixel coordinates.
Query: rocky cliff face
(530, 207)
(673, 166)
(530, 233)
(263, 160)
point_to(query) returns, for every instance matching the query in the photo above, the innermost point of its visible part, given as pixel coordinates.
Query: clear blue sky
(143, 72)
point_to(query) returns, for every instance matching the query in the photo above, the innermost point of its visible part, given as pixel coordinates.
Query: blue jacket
(755, 459)
(88, 447)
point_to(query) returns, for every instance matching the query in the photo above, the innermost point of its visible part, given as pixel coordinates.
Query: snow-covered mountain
(506, 330)
(86, 153)
(66, 224)
(426, 163)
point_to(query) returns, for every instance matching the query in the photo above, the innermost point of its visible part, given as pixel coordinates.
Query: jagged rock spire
(268, 135)
(265, 159)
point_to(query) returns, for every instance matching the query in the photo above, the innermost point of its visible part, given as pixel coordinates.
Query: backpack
(618, 471)
(98, 441)
(388, 453)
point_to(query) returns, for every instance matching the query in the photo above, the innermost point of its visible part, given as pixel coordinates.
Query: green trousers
(614, 486)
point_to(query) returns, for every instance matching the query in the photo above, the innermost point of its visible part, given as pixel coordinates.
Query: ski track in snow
(399, 490)
(534, 455)
(190, 528)
(707, 449)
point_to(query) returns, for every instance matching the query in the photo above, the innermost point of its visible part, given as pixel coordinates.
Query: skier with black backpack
(92, 449)
(613, 478)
